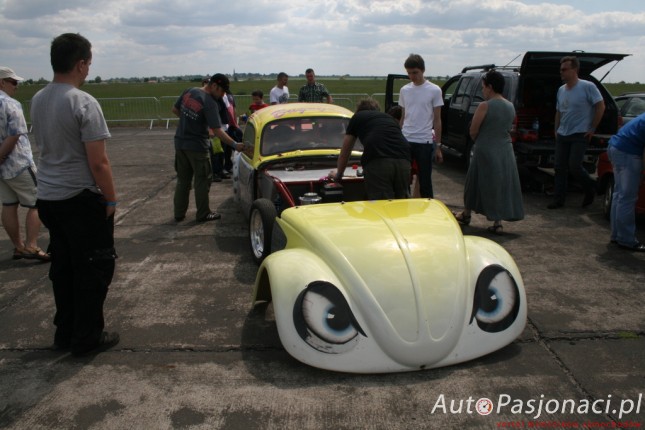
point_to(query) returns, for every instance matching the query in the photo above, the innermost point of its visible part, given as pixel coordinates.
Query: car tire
(261, 221)
(608, 197)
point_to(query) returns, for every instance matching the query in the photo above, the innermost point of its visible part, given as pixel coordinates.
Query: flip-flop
(19, 253)
(34, 253)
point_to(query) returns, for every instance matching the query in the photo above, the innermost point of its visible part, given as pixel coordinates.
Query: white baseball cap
(7, 73)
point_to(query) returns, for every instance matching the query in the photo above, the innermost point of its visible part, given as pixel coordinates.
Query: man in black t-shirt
(386, 153)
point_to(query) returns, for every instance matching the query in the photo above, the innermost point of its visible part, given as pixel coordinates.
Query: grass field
(151, 103)
(335, 86)
(112, 90)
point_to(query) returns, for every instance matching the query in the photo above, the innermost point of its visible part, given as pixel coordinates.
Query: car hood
(546, 62)
(421, 244)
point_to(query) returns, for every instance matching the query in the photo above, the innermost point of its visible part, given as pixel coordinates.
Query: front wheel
(261, 220)
(609, 197)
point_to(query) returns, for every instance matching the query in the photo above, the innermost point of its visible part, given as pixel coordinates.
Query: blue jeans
(569, 155)
(627, 177)
(423, 154)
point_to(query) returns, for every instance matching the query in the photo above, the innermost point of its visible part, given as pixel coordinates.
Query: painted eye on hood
(324, 320)
(497, 299)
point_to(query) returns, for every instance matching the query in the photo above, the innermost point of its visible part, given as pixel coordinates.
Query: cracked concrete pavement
(193, 354)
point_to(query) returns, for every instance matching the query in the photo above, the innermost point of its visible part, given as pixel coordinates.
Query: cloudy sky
(147, 38)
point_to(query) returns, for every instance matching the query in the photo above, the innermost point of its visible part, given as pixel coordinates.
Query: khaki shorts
(21, 189)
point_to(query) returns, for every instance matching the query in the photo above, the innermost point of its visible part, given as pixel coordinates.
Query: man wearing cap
(17, 172)
(198, 111)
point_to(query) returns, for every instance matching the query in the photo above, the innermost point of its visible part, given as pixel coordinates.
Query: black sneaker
(61, 346)
(639, 247)
(555, 205)
(106, 341)
(210, 217)
(217, 178)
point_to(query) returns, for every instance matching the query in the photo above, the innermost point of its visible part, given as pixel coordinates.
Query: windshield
(304, 133)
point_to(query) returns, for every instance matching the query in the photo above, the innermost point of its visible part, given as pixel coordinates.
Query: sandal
(462, 218)
(210, 217)
(496, 228)
(34, 253)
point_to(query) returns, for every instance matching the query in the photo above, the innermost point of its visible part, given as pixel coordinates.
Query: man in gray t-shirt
(63, 169)
(76, 197)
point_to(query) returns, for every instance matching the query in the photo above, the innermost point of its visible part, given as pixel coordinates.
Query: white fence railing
(150, 109)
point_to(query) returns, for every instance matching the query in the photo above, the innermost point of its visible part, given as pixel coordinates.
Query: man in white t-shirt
(421, 101)
(280, 93)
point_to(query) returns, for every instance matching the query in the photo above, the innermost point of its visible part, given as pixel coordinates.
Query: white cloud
(357, 37)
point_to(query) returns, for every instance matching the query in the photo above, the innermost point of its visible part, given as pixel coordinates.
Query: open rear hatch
(537, 62)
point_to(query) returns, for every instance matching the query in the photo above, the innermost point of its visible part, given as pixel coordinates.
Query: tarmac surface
(194, 354)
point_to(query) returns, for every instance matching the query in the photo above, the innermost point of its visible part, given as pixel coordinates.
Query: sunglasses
(11, 81)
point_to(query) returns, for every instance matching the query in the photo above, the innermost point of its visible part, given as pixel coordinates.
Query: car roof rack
(483, 67)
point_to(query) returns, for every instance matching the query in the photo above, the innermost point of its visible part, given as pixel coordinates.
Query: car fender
(286, 281)
(474, 342)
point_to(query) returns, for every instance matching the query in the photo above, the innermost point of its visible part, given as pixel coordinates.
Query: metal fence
(165, 109)
(130, 109)
(147, 110)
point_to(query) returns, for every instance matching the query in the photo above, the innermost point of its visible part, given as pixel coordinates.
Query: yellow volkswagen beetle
(388, 286)
(289, 150)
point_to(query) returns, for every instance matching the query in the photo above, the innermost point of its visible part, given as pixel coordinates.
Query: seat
(277, 139)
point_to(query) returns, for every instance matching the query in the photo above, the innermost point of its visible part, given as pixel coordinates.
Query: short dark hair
(396, 112)
(368, 104)
(575, 63)
(257, 93)
(415, 61)
(309, 71)
(67, 50)
(282, 75)
(495, 80)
